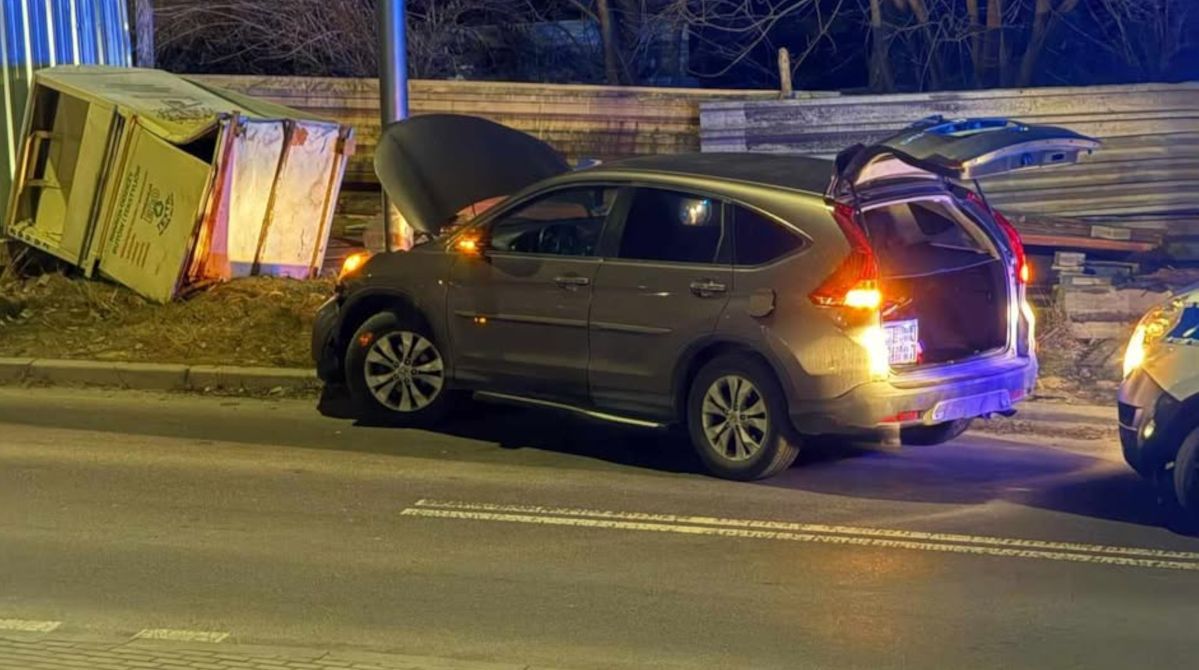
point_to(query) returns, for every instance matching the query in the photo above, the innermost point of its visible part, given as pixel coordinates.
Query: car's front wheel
(396, 372)
(737, 419)
(1186, 474)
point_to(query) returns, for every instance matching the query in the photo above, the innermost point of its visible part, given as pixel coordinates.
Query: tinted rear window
(758, 240)
(671, 226)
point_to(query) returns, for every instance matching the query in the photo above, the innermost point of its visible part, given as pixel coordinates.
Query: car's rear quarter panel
(814, 354)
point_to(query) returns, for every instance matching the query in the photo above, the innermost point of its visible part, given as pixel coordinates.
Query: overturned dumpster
(159, 183)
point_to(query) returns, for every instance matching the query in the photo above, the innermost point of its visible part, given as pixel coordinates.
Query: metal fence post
(393, 87)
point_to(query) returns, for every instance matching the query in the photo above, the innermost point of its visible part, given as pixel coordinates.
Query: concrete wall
(601, 122)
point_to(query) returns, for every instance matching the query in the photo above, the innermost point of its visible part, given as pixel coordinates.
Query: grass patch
(256, 321)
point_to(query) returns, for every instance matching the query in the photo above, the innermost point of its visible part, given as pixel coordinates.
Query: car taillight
(855, 282)
(1023, 269)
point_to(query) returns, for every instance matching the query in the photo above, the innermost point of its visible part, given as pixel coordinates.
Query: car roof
(795, 173)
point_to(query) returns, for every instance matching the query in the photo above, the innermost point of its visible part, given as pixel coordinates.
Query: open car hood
(963, 149)
(434, 166)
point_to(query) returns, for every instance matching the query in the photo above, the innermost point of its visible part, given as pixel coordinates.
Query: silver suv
(753, 299)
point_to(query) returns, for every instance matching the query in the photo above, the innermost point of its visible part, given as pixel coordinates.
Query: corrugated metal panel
(1145, 176)
(44, 33)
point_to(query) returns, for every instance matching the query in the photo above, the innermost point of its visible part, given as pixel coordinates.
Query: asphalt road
(530, 538)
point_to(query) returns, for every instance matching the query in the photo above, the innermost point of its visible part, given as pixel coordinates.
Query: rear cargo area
(944, 281)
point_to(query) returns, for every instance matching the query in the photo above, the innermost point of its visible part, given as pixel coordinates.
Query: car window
(564, 223)
(671, 226)
(758, 240)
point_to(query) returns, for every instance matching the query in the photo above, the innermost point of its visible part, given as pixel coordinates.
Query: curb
(1053, 412)
(156, 376)
(175, 377)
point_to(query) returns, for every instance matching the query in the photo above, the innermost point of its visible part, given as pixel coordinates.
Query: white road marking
(817, 528)
(28, 625)
(177, 635)
(817, 533)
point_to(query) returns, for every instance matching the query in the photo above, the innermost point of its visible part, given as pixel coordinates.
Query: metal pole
(393, 85)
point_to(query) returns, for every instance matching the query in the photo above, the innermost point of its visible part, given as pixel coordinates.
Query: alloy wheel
(404, 371)
(735, 418)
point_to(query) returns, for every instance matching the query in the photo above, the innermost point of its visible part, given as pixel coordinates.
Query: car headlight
(1134, 355)
(1152, 328)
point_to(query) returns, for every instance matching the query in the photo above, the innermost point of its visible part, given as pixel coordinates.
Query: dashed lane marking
(178, 635)
(29, 625)
(815, 533)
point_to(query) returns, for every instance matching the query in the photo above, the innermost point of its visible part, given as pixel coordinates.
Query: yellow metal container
(158, 182)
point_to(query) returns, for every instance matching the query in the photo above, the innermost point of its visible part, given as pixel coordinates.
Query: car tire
(396, 372)
(928, 436)
(1186, 474)
(738, 421)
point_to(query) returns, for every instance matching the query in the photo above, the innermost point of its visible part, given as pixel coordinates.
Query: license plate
(903, 341)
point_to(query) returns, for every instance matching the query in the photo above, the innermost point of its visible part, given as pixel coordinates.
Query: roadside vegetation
(1075, 370)
(255, 321)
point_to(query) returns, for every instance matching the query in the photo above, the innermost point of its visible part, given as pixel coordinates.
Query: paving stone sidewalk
(52, 654)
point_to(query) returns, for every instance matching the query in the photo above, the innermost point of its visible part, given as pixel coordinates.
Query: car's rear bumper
(1147, 415)
(325, 350)
(876, 407)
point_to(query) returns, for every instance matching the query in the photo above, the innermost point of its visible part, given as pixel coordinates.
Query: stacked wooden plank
(1088, 291)
(1106, 313)
(1103, 300)
(1075, 269)
(1056, 232)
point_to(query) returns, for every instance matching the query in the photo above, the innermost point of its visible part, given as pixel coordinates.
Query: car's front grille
(1128, 415)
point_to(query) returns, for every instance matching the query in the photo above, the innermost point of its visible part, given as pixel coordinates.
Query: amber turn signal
(353, 263)
(469, 245)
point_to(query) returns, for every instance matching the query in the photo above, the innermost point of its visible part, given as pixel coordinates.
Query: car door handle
(706, 287)
(572, 281)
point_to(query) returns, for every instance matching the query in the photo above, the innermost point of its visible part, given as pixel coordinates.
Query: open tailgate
(963, 149)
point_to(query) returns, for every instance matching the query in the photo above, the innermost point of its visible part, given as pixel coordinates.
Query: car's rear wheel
(396, 372)
(927, 436)
(737, 419)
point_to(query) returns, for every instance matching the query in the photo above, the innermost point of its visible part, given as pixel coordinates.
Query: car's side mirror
(473, 243)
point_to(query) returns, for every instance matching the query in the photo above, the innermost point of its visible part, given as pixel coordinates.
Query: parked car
(1159, 399)
(753, 299)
